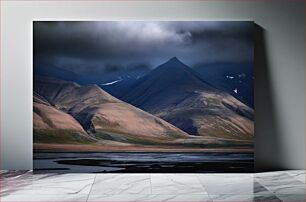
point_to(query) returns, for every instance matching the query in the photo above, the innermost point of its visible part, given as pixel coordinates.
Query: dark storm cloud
(110, 46)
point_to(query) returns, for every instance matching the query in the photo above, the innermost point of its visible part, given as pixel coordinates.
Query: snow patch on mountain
(230, 77)
(110, 83)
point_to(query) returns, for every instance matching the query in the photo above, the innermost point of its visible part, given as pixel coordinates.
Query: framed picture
(143, 96)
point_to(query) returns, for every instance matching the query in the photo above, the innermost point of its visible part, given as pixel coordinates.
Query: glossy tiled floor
(273, 186)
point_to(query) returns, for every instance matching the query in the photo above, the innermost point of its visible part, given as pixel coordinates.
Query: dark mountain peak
(171, 66)
(175, 69)
(174, 61)
(174, 73)
(173, 79)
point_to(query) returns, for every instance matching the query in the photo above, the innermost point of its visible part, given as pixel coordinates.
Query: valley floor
(132, 148)
(143, 162)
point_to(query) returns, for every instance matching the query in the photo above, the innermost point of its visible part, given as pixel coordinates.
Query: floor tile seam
(91, 188)
(151, 183)
(204, 187)
(274, 193)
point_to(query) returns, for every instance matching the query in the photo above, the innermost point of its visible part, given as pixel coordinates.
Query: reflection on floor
(272, 186)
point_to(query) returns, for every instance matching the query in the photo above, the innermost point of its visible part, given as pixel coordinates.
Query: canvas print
(143, 96)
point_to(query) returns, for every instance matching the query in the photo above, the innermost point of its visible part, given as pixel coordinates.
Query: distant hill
(55, 72)
(235, 78)
(117, 83)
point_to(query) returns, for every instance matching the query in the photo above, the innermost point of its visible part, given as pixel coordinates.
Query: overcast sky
(91, 47)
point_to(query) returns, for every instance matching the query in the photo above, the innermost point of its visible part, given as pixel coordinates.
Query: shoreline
(64, 148)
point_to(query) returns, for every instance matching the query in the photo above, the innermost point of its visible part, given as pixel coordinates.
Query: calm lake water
(133, 162)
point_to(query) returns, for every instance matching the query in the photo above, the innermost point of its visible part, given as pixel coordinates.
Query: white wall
(279, 92)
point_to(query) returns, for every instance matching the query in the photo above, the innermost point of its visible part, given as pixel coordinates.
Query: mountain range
(235, 78)
(171, 105)
(64, 106)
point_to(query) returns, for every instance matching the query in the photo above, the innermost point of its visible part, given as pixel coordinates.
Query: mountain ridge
(103, 116)
(174, 92)
(171, 75)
